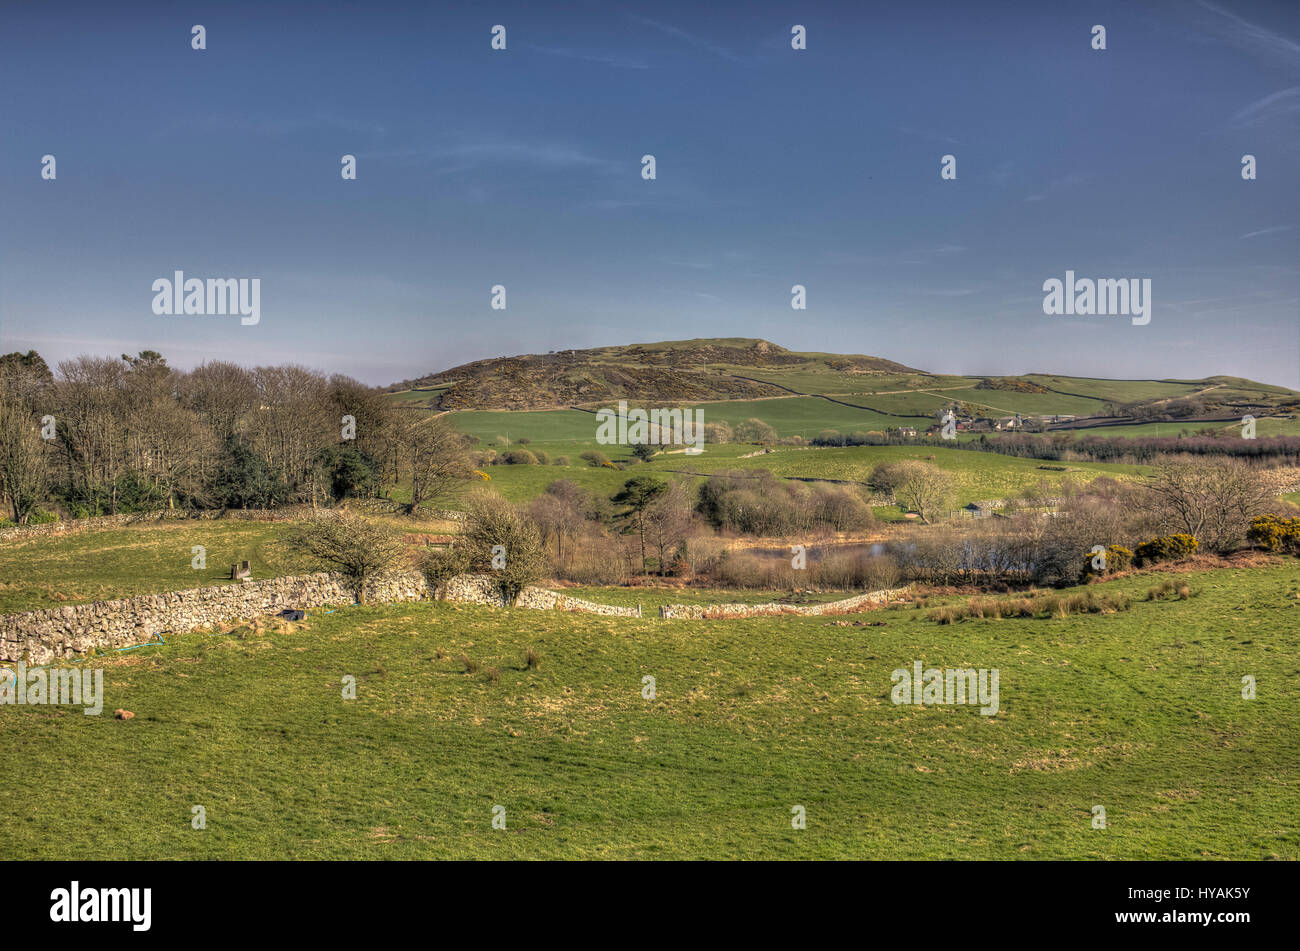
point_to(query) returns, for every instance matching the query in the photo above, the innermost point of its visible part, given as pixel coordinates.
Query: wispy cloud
(669, 30)
(470, 155)
(1252, 38)
(1284, 102)
(1057, 184)
(1256, 234)
(616, 60)
(925, 134)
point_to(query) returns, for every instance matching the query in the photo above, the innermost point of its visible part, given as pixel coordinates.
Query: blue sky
(775, 167)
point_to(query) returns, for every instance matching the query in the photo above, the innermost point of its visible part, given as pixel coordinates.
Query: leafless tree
(925, 488)
(1213, 501)
(358, 547)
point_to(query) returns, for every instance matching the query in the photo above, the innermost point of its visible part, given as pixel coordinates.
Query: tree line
(101, 436)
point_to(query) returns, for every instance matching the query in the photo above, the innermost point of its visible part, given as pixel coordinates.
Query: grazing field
(1119, 391)
(47, 571)
(975, 475)
(1263, 428)
(560, 425)
(1140, 712)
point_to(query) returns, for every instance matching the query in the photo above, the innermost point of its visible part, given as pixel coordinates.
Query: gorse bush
(1116, 558)
(1165, 548)
(1273, 533)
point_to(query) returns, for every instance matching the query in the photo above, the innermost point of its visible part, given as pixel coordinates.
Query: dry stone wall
(846, 606)
(41, 637)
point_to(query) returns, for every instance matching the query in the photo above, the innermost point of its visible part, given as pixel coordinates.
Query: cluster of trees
(1139, 450)
(1185, 509)
(568, 532)
(102, 436)
(1163, 409)
(755, 502)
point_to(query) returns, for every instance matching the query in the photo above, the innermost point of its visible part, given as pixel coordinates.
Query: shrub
(491, 521)
(1117, 558)
(755, 431)
(1275, 534)
(1039, 606)
(543, 457)
(358, 547)
(1165, 548)
(560, 461)
(594, 459)
(532, 659)
(1170, 589)
(519, 457)
(440, 565)
(718, 433)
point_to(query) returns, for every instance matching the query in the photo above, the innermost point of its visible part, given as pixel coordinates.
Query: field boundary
(720, 611)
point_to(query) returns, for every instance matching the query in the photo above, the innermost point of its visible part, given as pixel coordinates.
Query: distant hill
(677, 371)
(880, 391)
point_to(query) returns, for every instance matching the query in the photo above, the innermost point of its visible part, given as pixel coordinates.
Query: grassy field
(49, 571)
(975, 475)
(1140, 712)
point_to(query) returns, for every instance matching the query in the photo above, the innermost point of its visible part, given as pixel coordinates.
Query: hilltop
(704, 369)
(831, 390)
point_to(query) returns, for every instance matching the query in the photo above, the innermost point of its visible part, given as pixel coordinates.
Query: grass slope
(1140, 712)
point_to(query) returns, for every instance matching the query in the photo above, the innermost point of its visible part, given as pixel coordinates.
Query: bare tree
(502, 543)
(669, 520)
(359, 547)
(1213, 501)
(923, 487)
(24, 473)
(435, 456)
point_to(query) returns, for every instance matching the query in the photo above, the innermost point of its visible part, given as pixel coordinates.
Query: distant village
(968, 423)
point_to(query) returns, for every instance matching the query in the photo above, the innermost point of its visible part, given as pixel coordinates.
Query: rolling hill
(679, 371)
(747, 377)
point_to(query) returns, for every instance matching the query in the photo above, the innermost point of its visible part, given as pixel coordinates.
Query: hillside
(815, 391)
(672, 371)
